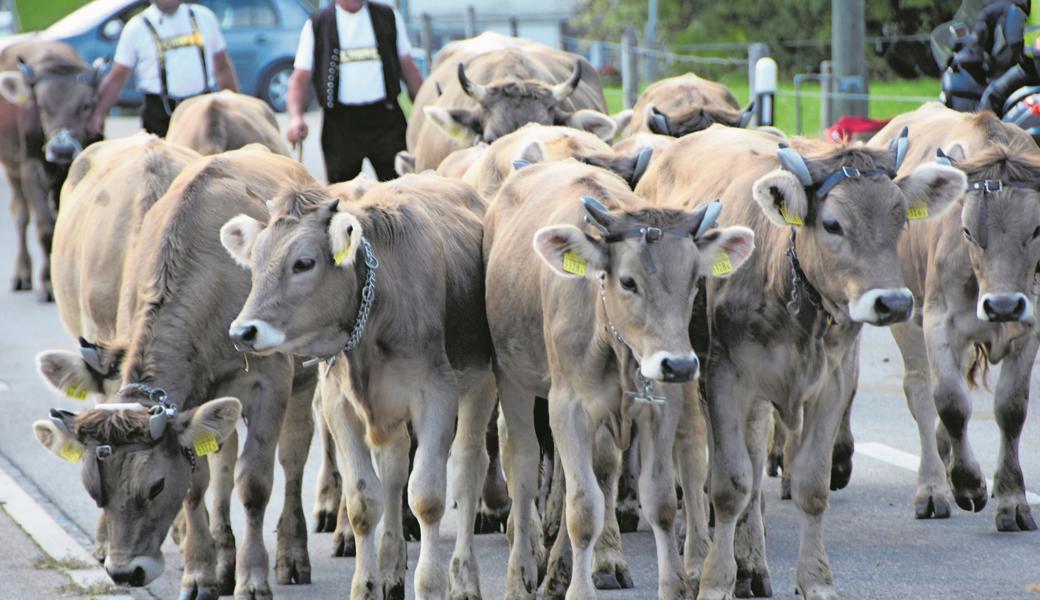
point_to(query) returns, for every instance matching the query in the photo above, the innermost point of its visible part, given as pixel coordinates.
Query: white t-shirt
(360, 70)
(136, 50)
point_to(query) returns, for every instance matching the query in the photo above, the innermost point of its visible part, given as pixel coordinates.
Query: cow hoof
(775, 464)
(618, 579)
(1014, 519)
(761, 587)
(411, 526)
(969, 488)
(742, 587)
(628, 520)
(289, 571)
(254, 593)
(21, 284)
(841, 472)
(342, 546)
(490, 520)
(46, 296)
(326, 521)
(785, 488)
(818, 592)
(394, 591)
(465, 596)
(199, 593)
(932, 507)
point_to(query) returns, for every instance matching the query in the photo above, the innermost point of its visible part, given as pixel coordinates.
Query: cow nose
(893, 308)
(133, 578)
(244, 336)
(62, 148)
(140, 571)
(1002, 308)
(679, 369)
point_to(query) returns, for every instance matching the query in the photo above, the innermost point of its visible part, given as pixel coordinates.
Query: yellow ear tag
(205, 444)
(71, 452)
(917, 211)
(574, 264)
(722, 265)
(76, 393)
(790, 219)
(341, 256)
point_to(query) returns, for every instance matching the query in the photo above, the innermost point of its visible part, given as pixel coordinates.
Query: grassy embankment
(38, 14)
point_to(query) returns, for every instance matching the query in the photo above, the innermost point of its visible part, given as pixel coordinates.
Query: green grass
(912, 90)
(38, 14)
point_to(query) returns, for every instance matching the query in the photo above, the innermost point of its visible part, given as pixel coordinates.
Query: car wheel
(274, 86)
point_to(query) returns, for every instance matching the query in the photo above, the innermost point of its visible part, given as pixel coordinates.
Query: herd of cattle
(653, 300)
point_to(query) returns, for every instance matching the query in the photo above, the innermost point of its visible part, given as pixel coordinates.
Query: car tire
(274, 85)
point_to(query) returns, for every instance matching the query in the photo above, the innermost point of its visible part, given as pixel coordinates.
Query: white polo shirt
(360, 70)
(136, 50)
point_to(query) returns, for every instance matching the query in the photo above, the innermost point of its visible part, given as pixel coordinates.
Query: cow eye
(303, 264)
(628, 284)
(157, 489)
(832, 227)
(1036, 233)
(967, 234)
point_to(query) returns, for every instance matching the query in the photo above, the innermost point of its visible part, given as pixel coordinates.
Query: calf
(684, 104)
(214, 123)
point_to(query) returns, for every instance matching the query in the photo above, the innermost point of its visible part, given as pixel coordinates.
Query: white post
(765, 91)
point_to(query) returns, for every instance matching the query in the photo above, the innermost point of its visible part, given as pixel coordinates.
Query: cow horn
(899, 146)
(746, 115)
(473, 89)
(26, 70)
(659, 122)
(90, 355)
(596, 213)
(62, 419)
(563, 91)
(642, 162)
(942, 158)
(708, 218)
(791, 161)
(437, 88)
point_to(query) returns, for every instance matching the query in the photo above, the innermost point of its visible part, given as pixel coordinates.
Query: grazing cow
(46, 94)
(215, 123)
(488, 95)
(680, 105)
(174, 359)
(394, 282)
(593, 320)
(784, 329)
(974, 272)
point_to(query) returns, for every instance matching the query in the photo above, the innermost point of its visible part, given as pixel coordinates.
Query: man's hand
(107, 94)
(96, 123)
(297, 130)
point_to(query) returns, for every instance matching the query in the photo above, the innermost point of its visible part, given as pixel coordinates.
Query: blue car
(261, 39)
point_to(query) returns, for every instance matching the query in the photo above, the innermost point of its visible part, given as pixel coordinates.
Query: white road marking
(908, 461)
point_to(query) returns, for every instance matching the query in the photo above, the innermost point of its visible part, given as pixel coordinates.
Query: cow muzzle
(1004, 308)
(62, 148)
(883, 306)
(140, 571)
(671, 368)
(255, 335)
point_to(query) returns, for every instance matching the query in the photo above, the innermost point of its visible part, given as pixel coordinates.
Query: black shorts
(154, 118)
(350, 134)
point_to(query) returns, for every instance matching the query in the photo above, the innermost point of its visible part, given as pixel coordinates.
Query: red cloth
(854, 127)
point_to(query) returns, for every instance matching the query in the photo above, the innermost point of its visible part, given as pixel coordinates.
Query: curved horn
(791, 161)
(899, 146)
(437, 88)
(90, 355)
(473, 89)
(709, 217)
(746, 115)
(564, 90)
(659, 122)
(26, 70)
(596, 213)
(642, 162)
(63, 419)
(942, 158)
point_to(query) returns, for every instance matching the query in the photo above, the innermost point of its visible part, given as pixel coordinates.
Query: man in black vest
(354, 53)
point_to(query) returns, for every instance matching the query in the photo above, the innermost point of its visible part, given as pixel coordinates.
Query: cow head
(1000, 220)
(306, 256)
(138, 462)
(506, 106)
(848, 213)
(694, 118)
(63, 95)
(646, 264)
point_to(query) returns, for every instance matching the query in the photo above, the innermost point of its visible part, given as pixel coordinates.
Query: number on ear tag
(916, 212)
(572, 263)
(722, 265)
(790, 218)
(341, 256)
(71, 452)
(76, 393)
(205, 444)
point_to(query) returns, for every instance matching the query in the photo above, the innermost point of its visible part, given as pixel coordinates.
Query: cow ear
(533, 152)
(461, 124)
(931, 188)
(214, 420)
(68, 373)
(594, 122)
(724, 250)
(14, 88)
(344, 238)
(621, 122)
(404, 162)
(781, 197)
(569, 252)
(61, 443)
(239, 236)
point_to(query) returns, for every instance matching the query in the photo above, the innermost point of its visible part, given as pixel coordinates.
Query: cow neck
(800, 285)
(364, 271)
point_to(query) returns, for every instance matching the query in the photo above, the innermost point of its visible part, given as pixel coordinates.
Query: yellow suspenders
(162, 46)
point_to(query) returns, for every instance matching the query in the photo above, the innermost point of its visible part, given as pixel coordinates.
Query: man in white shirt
(177, 51)
(355, 53)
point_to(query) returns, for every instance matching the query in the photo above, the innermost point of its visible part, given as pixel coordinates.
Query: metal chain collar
(646, 394)
(798, 281)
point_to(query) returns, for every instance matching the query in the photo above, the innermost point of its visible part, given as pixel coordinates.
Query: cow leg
(792, 435)
(844, 447)
(494, 504)
(692, 461)
(35, 188)
(469, 467)
(521, 457)
(393, 550)
(776, 446)
(954, 408)
(657, 435)
(292, 562)
(100, 550)
(328, 495)
(628, 487)
(222, 470)
(1010, 403)
(610, 571)
(23, 260)
(932, 498)
(199, 580)
(362, 489)
(750, 541)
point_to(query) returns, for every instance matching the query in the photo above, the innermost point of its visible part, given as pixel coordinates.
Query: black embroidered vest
(325, 76)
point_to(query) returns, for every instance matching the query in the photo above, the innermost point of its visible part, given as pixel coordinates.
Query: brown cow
(490, 94)
(589, 316)
(214, 123)
(784, 329)
(974, 272)
(680, 105)
(395, 282)
(174, 359)
(46, 94)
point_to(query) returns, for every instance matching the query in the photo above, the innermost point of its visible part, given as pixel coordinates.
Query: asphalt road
(877, 549)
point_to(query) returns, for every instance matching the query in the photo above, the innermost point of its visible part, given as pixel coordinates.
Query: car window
(239, 14)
